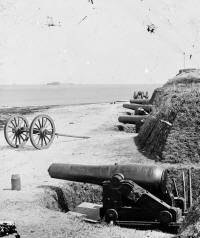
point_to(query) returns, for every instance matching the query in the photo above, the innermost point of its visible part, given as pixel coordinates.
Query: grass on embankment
(171, 134)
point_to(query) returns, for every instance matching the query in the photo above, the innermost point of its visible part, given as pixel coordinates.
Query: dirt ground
(107, 145)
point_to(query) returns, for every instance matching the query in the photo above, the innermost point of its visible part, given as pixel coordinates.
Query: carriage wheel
(16, 131)
(42, 132)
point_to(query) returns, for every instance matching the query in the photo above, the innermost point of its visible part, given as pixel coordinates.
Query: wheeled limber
(41, 131)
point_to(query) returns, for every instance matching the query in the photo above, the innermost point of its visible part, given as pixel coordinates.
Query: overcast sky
(105, 42)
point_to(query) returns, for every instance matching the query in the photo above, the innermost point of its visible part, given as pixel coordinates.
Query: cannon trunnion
(133, 195)
(126, 203)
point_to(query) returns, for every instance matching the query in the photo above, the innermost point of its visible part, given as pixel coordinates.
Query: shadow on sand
(26, 148)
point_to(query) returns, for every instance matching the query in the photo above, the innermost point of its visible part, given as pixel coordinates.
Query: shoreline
(36, 96)
(27, 110)
(2, 108)
(7, 112)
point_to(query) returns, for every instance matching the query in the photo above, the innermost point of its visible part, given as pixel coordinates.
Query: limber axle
(46, 132)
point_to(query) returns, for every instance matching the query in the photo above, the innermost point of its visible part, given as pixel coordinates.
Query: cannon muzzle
(150, 177)
(132, 119)
(140, 101)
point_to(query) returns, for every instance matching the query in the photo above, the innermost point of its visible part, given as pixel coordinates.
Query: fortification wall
(171, 132)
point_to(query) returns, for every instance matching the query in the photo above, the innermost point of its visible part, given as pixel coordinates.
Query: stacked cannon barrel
(141, 104)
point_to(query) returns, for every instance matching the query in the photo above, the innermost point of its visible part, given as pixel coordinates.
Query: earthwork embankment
(171, 135)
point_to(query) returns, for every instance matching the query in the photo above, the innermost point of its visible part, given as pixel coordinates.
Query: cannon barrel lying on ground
(132, 119)
(150, 177)
(147, 108)
(140, 101)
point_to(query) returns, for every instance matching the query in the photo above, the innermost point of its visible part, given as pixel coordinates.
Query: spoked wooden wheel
(16, 131)
(42, 132)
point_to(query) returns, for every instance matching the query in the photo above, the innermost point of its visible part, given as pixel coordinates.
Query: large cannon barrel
(132, 119)
(147, 108)
(140, 101)
(150, 177)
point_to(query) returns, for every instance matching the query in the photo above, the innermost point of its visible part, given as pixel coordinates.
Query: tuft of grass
(84, 192)
(70, 195)
(191, 224)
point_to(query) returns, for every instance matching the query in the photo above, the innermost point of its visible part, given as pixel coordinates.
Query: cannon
(147, 108)
(132, 119)
(140, 95)
(41, 131)
(133, 195)
(139, 101)
(140, 111)
(137, 120)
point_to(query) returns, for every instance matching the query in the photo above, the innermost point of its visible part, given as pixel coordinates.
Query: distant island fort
(54, 83)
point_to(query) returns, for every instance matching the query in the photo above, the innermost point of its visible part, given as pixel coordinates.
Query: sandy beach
(28, 208)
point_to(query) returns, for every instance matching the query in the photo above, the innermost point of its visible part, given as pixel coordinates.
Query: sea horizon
(68, 94)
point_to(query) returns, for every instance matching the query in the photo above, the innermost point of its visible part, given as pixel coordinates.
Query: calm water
(67, 94)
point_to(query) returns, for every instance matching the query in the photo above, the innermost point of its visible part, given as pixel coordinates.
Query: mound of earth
(191, 225)
(171, 135)
(171, 132)
(66, 197)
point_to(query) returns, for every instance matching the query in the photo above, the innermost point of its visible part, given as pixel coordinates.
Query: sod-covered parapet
(172, 132)
(191, 224)
(176, 172)
(185, 77)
